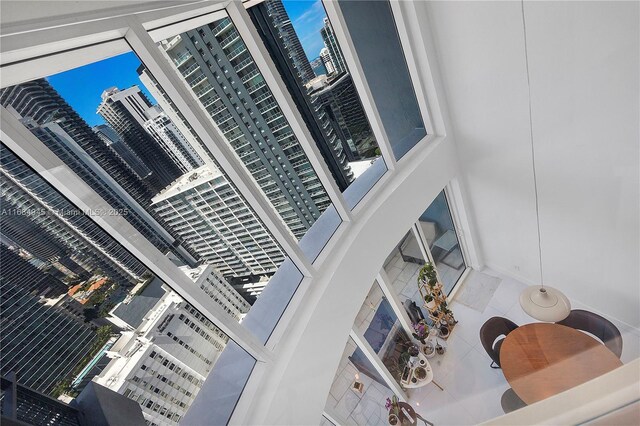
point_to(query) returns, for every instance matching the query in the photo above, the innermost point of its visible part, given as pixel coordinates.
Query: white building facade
(211, 217)
(163, 363)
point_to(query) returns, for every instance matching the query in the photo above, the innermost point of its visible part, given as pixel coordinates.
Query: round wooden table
(540, 360)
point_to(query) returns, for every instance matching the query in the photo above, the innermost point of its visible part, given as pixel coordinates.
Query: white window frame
(31, 51)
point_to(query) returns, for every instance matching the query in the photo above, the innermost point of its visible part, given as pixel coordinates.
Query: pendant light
(541, 302)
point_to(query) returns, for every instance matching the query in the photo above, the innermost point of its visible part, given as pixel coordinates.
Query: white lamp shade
(545, 303)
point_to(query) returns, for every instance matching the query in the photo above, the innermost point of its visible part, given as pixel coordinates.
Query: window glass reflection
(373, 30)
(303, 45)
(439, 230)
(383, 331)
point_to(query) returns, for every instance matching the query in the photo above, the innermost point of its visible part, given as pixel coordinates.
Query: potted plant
(428, 275)
(429, 302)
(394, 410)
(421, 331)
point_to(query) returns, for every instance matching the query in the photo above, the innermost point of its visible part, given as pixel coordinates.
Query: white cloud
(312, 16)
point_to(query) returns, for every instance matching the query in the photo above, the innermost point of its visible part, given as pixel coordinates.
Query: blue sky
(82, 87)
(307, 19)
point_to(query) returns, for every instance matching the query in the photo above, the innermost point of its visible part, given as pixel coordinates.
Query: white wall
(584, 67)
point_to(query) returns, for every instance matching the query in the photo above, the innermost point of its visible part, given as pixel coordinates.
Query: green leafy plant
(428, 275)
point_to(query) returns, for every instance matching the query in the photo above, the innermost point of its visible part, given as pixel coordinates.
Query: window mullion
(39, 157)
(249, 35)
(144, 46)
(359, 79)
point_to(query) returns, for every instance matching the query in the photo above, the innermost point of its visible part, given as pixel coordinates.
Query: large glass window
(373, 31)
(383, 331)
(402, 267)
(439, 230)
(77, 306)
(215, 62)
(303, 45)
(115, 128)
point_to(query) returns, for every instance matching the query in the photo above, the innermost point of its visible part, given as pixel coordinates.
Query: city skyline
(120, 71)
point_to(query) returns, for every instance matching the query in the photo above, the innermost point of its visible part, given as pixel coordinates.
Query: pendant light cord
(533, 152)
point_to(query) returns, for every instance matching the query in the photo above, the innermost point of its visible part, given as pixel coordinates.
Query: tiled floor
(472, 390)
(346, 403)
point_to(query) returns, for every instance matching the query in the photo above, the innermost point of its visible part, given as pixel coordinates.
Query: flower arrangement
(392, 405)
(421, 330)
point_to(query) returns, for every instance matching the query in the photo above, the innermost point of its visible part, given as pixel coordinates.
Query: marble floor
(472, 390)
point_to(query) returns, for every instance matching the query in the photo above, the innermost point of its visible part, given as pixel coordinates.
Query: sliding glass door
(438, 229)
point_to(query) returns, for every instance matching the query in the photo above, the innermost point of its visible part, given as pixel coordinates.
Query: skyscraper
(217, 223)
(42, 103)
(318, 66)
(114, 141)
(39, 106)
(290, 39)
(40, 343)
(124, 110)
(52, 217)
(223, 76)
(325, 133)
(330, 42)
(337, 97)
(325, 57)
(167, 135)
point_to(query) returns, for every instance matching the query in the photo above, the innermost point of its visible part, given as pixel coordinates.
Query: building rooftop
(187, 181)
(133, 313)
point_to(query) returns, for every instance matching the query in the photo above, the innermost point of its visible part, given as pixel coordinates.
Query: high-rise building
(330, 42)
(124, 110)
(223, 76)
(51, 217)
(210, 216)
(336, 96)
(95, 405)
(171, 139)
(39, 106)
(162, 363)
(39, 101)
(325, 57)
(41, 344)
(218, 288)
(326, 135)
(114, 141)
(290, 39)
